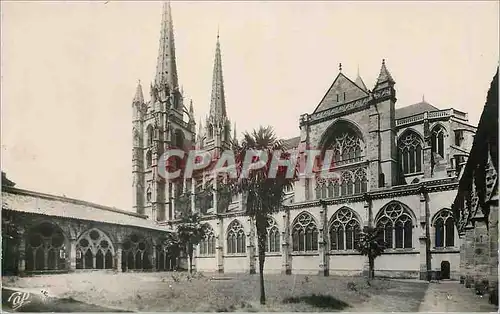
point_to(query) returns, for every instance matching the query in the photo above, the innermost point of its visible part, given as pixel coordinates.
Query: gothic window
(46, 248)
(346, 148)
(397, 226)
(304, 233)
(347, 186)
(179, 139)
(273, 236)
(135, 253)
(207, 243)
(344, 230)
(149, 159)
(148, 194)
(459, 137)
(235, 238)
(410, 151)
(444, 229)
(149, 132)
(360, 183)
(210, 131)
(94, 250)
(437, 140)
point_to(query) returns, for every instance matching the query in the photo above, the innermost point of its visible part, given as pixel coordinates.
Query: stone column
(118, 257)
(250, 239)
(462, 256)
(21, 268)
(493, 241)
(424, 241)
(286, 266)
(427, 152)
(94, 262)
(481, 247)
(220, 246)
(153, 259)
(367, 222)
(469, 255)
(323, 240)
(72, 254)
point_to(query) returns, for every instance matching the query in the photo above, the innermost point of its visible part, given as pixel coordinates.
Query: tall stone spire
(166, 68)
(218, 101)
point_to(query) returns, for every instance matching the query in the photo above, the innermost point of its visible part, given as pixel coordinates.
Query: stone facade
(476, 204)
(393, 167)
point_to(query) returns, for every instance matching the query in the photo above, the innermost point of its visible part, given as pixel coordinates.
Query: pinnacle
(139, 97)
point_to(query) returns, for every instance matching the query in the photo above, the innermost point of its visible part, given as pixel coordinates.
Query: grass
(179, 292)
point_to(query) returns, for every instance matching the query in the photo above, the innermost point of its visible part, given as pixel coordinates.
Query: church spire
(166, 69)
(218, 101)
(359, 82)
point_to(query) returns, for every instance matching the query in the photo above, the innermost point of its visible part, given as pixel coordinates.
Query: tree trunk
(190, 254)
(261, 225)
(371, 272)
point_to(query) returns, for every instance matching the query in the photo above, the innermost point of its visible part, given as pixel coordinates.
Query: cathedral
(396, 168)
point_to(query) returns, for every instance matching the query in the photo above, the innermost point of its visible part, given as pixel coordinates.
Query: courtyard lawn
(228, 292)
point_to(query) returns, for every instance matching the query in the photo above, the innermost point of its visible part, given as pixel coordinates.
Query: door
(445, 270)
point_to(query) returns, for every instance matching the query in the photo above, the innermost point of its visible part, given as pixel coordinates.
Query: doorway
(445, 270)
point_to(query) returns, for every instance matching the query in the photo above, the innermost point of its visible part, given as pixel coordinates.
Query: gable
(342, 86)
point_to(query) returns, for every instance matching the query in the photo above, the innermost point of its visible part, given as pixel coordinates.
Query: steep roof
(291, 142)
(411, 110)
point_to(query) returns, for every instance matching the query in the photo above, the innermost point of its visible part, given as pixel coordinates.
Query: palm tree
(190, 231)
(371, 245)
(264, 194)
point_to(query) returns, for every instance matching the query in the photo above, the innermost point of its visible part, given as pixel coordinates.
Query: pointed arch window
(207, 243)
(410, 151)
(397, 224)
(136, 253)
(273, 236)
(344, 230)
(437, 140)
(444, 229)
(149, 159)
(95, 250)
(235, 238)
(150, 137)
(304, 234)
(46, 248)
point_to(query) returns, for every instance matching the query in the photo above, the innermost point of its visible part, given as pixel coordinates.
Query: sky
(70, 69)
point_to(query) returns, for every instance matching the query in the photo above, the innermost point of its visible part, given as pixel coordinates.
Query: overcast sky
(69, 72)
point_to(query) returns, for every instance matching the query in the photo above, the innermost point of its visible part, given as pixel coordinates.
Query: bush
(481, 286)
(468, 282)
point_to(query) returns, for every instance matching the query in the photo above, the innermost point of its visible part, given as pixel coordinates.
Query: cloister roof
(57, 206)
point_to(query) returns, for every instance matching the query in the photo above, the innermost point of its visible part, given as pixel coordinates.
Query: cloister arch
(46, 247)
(136, 253)
(94, 250)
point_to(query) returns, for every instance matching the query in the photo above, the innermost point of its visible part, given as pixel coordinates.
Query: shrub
(481, 286)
